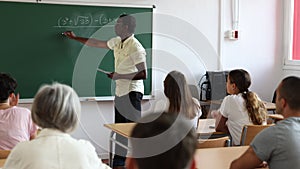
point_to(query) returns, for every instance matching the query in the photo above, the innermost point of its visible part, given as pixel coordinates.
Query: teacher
(130, 70)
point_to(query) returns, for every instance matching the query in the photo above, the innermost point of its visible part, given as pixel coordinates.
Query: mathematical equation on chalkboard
(85, 21)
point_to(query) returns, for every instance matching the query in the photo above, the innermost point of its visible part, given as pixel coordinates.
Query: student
(179, 96)
(278, 145)
(56, 109)
(15, 122)
(239, 108)
(130, 70)
(167, 142)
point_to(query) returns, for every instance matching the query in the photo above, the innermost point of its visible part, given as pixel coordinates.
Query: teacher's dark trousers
(127, 109)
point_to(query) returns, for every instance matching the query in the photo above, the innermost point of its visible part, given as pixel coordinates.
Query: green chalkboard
(33, 50)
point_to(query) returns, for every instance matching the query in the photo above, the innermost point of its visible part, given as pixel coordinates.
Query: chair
(274, 101)
(212, 143)
(194, 91)
(250, 131)
(4, 154)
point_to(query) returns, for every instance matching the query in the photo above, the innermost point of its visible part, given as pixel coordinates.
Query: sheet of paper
(103, 71)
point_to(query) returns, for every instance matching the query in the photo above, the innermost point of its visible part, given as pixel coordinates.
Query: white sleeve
(113, 42)
(139, 56)
(224, 108)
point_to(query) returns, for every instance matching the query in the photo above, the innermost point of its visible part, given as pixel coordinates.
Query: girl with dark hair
(15, 122)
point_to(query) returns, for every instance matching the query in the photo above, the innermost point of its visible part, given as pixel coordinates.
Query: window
(292, 34)
(296, 31)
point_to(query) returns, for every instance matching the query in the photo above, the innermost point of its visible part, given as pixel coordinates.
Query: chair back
(212, 143)
(4, 154)
(250, 131)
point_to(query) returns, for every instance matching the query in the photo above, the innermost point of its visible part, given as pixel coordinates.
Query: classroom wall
(189, 37)
(259, 49)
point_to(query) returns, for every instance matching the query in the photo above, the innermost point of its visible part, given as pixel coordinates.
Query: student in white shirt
(239, 108)
(278, 145)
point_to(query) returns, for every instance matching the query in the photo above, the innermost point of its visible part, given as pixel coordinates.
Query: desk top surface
(269, 106)
(276, 116)
(205, 126)
(2, 161)
(123, 129)
(222, 157)
(218, 158)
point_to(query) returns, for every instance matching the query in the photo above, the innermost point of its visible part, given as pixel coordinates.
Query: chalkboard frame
(84, 48)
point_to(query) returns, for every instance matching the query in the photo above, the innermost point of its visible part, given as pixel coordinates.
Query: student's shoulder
(18, 109)
(85, 143)
(22, 108)
(272, 133)
(231, 98)
(23, 146)
(285, 126)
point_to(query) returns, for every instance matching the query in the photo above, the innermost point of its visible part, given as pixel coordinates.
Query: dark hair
(130, 21)
(8, 85)
(179, 95)
(289, 89)
(166, 130)
(256, 108)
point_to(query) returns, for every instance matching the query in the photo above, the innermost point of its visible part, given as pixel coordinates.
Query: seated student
(15, 122)
(278, 145)
(167, 142)
(180, 99)
(56, 109)
(239, 108)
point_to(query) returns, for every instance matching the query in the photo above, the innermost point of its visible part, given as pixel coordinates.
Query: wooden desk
(2, 161)
(218, 158)
(123, 129)
(206, 127)
(276, 117)
(270, 106)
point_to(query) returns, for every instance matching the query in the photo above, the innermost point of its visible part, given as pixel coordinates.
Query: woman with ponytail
(240, 108)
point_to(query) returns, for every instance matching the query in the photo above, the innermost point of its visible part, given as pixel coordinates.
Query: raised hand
(14, 99)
